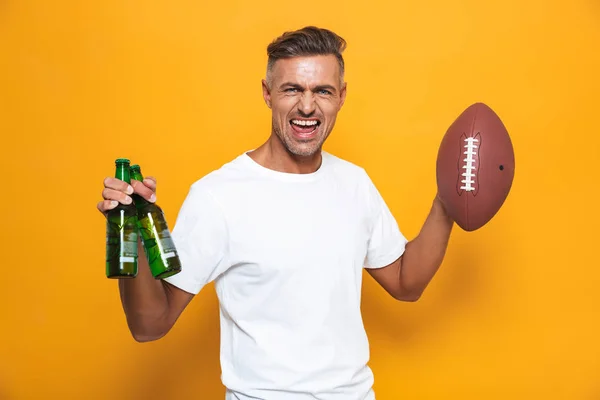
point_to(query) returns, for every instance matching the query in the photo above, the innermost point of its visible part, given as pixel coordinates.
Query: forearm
(424, 254)
(145, 302)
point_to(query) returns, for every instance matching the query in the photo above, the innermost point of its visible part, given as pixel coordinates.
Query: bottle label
(158, 244)
(167, 245)
(129, 245)
(121, 238)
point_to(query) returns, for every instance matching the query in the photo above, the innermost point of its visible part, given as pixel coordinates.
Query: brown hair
(308, 41)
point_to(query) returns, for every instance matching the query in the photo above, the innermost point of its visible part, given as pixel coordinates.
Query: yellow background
(175, 86)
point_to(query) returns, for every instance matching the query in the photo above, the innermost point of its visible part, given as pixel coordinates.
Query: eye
(288, 90)
(324, 91)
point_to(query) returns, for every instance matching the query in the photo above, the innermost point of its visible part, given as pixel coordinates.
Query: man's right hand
(151, 306)
(117, 191)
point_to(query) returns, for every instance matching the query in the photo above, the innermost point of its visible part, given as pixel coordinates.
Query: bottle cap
(134, 167)
(122, 161)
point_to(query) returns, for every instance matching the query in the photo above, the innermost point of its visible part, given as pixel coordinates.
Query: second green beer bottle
(157, 242)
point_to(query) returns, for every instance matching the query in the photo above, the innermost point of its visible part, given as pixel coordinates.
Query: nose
(307, 104)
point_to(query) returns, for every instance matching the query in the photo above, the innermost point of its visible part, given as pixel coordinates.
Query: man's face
(305, 95)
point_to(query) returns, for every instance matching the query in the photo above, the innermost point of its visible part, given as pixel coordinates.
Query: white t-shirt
(286, 252)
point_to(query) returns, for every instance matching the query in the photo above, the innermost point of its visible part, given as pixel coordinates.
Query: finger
(106, 205)
(117, 184)
(150, 181)
(111, 194)
(143, 191)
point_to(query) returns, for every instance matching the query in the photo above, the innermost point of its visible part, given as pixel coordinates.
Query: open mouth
(305, 127)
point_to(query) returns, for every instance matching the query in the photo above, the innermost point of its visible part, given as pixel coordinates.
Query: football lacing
(468, 174)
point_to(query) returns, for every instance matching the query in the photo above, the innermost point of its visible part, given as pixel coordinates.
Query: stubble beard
(302, 149)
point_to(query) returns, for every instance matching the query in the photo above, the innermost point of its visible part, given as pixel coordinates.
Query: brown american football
(475, 167)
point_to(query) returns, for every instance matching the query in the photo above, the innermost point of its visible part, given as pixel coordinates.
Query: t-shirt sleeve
(386, 242)
(201, 238)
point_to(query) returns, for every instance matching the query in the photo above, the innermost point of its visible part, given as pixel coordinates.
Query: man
(284, 231)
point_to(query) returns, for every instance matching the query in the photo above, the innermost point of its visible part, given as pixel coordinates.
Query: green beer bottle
(158, 245)
(122, 233)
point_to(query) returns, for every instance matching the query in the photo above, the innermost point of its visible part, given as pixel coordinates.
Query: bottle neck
(138, 200)
(122, 172)
(137, 175)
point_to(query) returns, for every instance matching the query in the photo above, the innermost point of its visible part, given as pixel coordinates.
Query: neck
(274, 155)
(122, 173)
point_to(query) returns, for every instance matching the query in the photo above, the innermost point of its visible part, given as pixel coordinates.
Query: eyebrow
(316, 89)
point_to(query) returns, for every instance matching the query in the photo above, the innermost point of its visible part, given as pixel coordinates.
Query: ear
(266, 93)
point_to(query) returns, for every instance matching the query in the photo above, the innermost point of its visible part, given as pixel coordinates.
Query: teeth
(303, 123)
